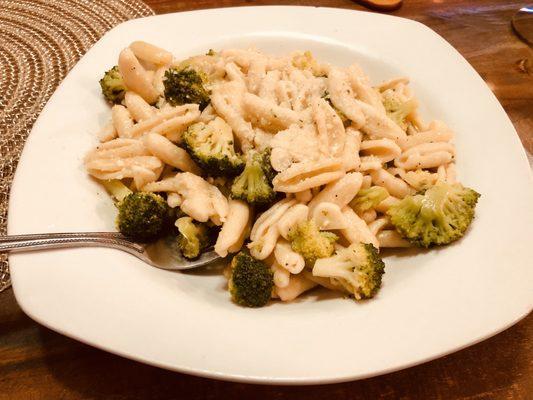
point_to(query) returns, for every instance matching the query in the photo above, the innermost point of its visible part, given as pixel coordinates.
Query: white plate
(431, 304)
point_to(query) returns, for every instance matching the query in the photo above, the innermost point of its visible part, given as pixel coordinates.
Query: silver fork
(161, 254)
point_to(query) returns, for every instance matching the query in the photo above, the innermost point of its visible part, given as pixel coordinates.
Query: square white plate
(431, 303)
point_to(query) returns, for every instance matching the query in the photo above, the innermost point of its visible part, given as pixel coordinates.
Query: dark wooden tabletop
(37, 363)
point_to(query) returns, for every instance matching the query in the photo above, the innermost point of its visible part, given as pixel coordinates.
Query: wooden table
(36, 363)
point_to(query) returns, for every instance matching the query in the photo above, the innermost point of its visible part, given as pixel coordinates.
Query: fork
(162, 253)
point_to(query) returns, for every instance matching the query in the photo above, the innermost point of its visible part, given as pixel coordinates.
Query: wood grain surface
(37, 363)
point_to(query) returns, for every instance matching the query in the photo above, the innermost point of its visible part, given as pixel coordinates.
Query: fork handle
(18, 243)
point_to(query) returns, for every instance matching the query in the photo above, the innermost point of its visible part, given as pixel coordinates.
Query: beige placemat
(40, 41)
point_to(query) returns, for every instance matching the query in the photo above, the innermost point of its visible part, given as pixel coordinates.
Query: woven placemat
(40, 41)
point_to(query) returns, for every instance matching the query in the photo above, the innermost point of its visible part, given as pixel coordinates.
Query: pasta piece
(139, 109)
(270, 217)
(149, 52)
(350, 156)
(265, 233)
(107, 133)
(293, 145)
(395, 186)
(158, 80)
(297, 285)
(357, 231)
(328, 216)
(143, 169)
(418, 179)
(169, 153)
(174, 200)
(135, 76)
(369, 216)
(343, 98)
(170, 122)
(437, 132)
(339, 192)
(118, 148)
(200, 200)
(362, 89)
(264, 246)
(234, 228)
(379, 224)
(426, 155)
(307, 175)
(304, 196)
(122, 120)
(242, 57)
(386, 204)
(331, 133)
(256, 74)
(379, 126)
(268, 86)
(391, 238)
(441, 173)
(293, 216)
(213, 66)
(150, 75)
(288, 258)
(281, 276)
(367, 182)
(208, 114)
(123, 158)
(262, 139)
(451, 174)
(268, 115)
(226, 100)
(384, 150)
(324, 282)
(392, 83)
(233, 73)
(370, 163)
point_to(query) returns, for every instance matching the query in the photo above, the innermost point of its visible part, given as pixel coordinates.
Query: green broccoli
(185, 86)
(254, 184)
(251, 281)
(117, 189)
(368, 198)
(398, 110)
(142, 216)
(211, 146)
(357, 269)
(439, 216)
(193, 237)
(112, 85)
(311, 243)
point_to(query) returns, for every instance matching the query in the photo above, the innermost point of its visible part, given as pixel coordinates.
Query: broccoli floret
(254, 184)
(439, 216)
(211, 146)
(368, 198)
(193, 237)
(117, 189)
(398, 110)
(185, 86)
(357, 269)
(251, 281)
(112, 85)
(311, 243)
(142, 216)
